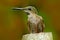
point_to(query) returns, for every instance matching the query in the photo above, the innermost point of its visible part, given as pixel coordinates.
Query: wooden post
(38, 36)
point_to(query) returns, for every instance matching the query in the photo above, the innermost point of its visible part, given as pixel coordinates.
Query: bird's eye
(29, 8)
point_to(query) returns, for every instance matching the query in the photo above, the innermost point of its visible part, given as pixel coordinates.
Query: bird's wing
(42, 21)
(28, 25)
(41, 24)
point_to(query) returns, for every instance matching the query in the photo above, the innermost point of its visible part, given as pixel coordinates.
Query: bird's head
(29, 10)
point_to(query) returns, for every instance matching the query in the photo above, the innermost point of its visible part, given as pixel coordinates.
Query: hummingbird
(35, 22)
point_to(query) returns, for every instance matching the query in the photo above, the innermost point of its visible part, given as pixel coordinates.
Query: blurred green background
(13, 24)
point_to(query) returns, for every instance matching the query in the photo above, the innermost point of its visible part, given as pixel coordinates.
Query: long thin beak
(19, 8)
